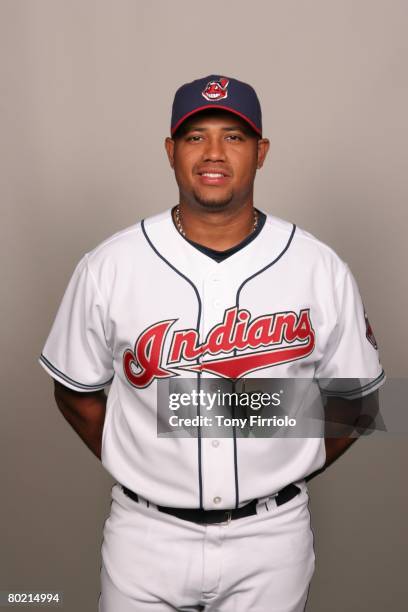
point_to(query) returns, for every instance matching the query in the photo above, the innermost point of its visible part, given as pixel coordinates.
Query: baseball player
(212, 288)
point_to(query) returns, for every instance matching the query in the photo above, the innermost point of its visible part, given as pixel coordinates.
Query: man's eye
(194, 138)
(234, 137)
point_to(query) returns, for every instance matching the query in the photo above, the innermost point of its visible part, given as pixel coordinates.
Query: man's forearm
(347, 417)
(335, 447)
(85, 412)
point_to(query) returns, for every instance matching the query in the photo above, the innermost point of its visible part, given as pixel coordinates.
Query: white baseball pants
(154, 561)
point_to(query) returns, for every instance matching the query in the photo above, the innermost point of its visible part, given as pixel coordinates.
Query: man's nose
(214, 150)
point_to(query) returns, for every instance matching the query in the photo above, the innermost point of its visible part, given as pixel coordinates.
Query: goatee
(215, 204)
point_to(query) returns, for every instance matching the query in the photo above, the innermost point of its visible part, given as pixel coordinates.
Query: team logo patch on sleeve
(369, 332)
(216, 90)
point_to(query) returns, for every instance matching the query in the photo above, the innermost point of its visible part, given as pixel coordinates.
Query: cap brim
(219, 107)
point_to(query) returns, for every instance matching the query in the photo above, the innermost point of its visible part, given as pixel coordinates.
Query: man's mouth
(213, 174)
(213, 177)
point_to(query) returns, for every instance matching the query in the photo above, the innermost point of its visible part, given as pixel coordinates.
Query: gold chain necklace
(183, 233)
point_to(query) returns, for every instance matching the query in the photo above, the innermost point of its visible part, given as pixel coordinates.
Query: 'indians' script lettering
(269, 340)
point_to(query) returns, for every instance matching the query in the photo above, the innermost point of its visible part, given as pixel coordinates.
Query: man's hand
(346, 416)
(85, 412)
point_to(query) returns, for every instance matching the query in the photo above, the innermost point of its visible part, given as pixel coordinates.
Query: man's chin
(214, 204)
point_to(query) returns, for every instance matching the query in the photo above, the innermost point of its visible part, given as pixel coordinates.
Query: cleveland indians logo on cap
(216, 90)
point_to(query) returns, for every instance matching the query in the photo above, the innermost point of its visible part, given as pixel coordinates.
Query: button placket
(217, 455)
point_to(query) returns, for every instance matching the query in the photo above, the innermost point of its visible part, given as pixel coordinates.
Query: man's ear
(169, 146)
(263, 148)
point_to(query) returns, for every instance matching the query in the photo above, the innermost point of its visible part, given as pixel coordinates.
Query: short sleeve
(76, 352)
(350, 366)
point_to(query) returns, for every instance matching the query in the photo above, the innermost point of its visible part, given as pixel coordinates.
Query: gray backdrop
(86, 89)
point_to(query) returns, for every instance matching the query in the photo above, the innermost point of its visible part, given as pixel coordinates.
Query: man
(216, 289)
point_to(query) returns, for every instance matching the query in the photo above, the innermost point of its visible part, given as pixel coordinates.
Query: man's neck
(219, 230)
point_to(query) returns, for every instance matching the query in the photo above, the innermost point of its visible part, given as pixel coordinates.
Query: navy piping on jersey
(366, 387)
(234, 438)
(269, 265)
(235, 350)
(71, 380)
(200, 475)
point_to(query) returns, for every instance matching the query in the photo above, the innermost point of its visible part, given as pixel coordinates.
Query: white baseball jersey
(146, 305)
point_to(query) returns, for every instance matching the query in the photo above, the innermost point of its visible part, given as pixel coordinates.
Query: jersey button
(217, 500)
(217, 303)
(215, 443)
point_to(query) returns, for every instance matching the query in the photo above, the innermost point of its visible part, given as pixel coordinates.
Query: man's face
(215, 158)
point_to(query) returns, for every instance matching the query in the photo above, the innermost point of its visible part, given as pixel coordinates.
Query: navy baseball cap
(220, 92)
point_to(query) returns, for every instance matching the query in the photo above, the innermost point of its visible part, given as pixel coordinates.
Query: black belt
(209, 517)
